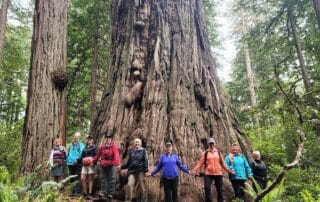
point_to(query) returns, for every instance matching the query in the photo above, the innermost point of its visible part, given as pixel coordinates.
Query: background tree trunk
(3, 22)
(45, 113)
(316, 6)
(250, 73)
(162, 83)
(305, 73)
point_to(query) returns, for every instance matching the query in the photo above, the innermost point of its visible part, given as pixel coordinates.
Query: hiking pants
(108, 180)
(218, 180)
(131, 185)
(75, 170)
(238, 187)
(170, 187)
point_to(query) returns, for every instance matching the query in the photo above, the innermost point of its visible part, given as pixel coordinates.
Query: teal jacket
(74, 153)
(240, 166)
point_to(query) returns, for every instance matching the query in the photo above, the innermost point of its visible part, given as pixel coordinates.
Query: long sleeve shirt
(74, 153)
(137, 161)
(240, 165)
(214, 163)
(169, 163)
(108, 155)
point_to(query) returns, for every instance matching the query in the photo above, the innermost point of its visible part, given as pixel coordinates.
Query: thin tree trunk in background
(3, 23)
(94, 84)
(250, 74)
(162, 84)
(46, 101)
(316, 6)
(304, 71)
(305, 74)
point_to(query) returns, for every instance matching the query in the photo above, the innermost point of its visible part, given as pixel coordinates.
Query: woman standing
(87, 172)
(74, 163)
(136, 168)
(259, 170)
(57, 160)
(214, 166)
(170, 176)
(239, 164)
(108, 153)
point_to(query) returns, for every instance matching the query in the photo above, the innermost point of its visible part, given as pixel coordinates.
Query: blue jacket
(168, 164)
(240, 166)
(74, 153)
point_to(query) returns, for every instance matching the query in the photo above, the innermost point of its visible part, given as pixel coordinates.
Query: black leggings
(238, 187)
(218, 181)
(171, 189)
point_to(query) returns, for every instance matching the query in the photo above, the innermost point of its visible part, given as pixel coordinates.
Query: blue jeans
(108, 179)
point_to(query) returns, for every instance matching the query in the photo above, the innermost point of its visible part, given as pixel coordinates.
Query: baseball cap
(210, 140)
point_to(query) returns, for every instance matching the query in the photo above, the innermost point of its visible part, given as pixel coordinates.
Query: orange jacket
(214, 163)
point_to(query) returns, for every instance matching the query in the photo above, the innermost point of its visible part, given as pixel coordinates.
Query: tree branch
(297, 158)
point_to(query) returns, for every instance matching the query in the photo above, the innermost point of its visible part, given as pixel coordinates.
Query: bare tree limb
(297, 158)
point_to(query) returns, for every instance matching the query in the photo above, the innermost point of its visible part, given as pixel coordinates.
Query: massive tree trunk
(45, 113)
(162, 83)
(316, 6)
(3, 22)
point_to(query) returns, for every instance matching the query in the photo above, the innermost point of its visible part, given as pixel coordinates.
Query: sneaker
(84, 195)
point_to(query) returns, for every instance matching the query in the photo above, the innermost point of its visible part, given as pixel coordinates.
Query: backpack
(205, 161)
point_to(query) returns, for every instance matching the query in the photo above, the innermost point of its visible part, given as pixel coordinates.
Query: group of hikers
(81, 159)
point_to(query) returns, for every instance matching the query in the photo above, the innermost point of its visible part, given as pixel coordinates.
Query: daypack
(205, 161)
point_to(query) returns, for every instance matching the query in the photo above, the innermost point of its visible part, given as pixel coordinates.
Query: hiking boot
(91, 197)
(101, 195)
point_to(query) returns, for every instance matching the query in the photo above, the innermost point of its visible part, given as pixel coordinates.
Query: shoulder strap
(231, 159)
(254, 162)
(220, 156)
(205, 159)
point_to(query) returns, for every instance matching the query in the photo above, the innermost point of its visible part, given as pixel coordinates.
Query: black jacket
(89, 151)
(259, 170)
(137, 161)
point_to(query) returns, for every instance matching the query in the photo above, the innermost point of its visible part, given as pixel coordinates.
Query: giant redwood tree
(45, 113)
(162, 84)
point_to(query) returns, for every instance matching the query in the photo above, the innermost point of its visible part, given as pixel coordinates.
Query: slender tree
(162, 84)
(250, 73)
(316, 6)
(45, 113)
(3, 22)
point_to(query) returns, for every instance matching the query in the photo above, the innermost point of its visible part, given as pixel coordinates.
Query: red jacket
(108, 154)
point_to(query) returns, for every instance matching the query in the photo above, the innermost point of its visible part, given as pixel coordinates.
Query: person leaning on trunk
(136, 167)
